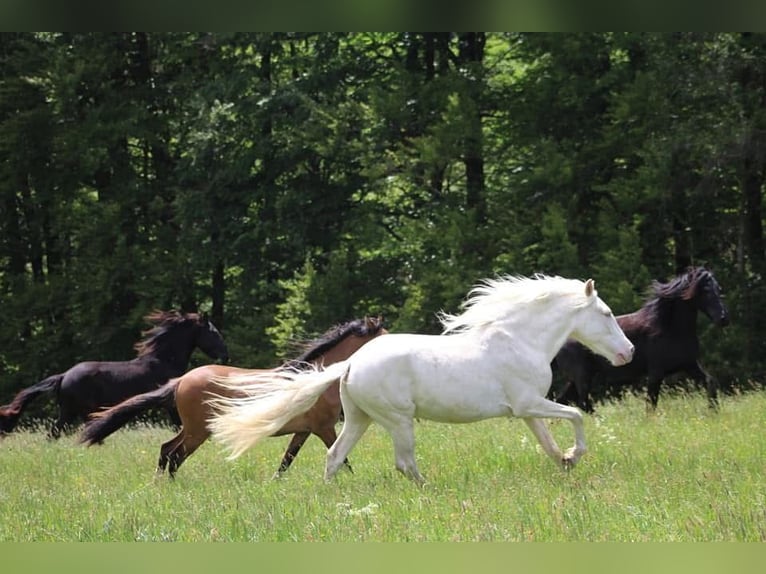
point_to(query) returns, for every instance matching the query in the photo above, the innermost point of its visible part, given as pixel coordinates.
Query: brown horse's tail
(103, 423)
(10, 413)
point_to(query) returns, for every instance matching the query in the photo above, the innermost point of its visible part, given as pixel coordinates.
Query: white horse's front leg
(540, 408)
(545, 438)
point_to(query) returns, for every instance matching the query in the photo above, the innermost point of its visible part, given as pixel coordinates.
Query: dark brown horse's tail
(103, 423)
(10, 413)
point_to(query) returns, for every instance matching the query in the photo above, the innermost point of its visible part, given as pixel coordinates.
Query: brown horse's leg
(190, 444)
(167, 450)
(292, 451)
(174, 452)
(328, 436)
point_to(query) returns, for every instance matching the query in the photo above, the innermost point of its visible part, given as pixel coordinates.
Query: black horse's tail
(103, 423)
(10, 413)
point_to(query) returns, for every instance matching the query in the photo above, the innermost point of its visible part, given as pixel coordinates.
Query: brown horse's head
(341, 341)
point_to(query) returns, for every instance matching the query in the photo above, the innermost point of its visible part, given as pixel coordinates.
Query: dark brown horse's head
(705, 291)
(8, 418)
(697, 288)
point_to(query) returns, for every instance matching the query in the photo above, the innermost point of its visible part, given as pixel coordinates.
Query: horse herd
(494, 359)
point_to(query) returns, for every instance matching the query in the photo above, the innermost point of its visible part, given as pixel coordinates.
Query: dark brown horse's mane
(656, 312)
(163, 322)
(684, 286)
(316, 348)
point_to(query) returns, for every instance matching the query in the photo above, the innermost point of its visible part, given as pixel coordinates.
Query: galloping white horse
(493, 360)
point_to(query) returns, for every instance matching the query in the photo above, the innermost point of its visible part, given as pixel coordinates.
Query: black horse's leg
(653, 391)
(568, 394)
(292, 451)
(700, 376)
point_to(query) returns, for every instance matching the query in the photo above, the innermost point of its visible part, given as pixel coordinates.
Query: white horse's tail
(267, 401)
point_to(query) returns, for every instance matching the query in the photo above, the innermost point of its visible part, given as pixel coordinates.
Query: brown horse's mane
(319, 346)
(163, 322)
(657, 310)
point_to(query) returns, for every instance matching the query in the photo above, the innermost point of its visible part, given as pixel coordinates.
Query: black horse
(162, 354)
(664, 332)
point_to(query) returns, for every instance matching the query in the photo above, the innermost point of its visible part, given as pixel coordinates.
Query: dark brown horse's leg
(576, 393)
(63, 422)
(585, 383)
(292, 451)
(567, 394)
(54, 433)
(583, 396)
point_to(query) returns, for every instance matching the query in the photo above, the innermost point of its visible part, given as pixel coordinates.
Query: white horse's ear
(590, 287)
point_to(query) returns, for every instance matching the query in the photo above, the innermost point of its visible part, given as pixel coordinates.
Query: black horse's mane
(319, 346)
(164, 322)
(658, 308)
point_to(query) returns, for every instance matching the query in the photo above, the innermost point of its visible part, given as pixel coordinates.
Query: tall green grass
(680, 474)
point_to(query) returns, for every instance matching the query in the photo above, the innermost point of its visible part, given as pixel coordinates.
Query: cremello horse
(493, 360)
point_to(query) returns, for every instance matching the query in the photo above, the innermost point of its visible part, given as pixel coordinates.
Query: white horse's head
(597, 329)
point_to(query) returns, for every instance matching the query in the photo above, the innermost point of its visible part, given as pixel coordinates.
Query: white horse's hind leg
(355, 423)
(402, 431)
(541, 407)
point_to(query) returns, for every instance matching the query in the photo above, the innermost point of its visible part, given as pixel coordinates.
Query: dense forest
(286, 182)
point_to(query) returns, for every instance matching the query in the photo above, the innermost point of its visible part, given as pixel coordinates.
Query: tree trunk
(472, 56)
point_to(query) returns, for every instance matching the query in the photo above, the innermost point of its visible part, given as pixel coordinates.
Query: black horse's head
(707, 295)
(175, 335)
(210, 341)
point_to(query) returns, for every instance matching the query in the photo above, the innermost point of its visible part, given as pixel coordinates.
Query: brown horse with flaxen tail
(162, 354)
(191, 392)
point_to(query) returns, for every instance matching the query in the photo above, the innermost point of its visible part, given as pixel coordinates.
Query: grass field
(681, 474)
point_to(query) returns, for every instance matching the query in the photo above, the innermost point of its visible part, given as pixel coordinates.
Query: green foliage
(555, 253)
(618, 271)
(286, 182)
(294, 312)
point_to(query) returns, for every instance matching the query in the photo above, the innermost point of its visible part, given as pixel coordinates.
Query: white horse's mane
(493, 299)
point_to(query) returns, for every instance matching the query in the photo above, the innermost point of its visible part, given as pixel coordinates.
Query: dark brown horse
(162, 354)
(664, 333)
(191, 393)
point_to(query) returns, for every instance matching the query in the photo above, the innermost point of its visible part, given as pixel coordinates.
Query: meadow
(682, 473)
